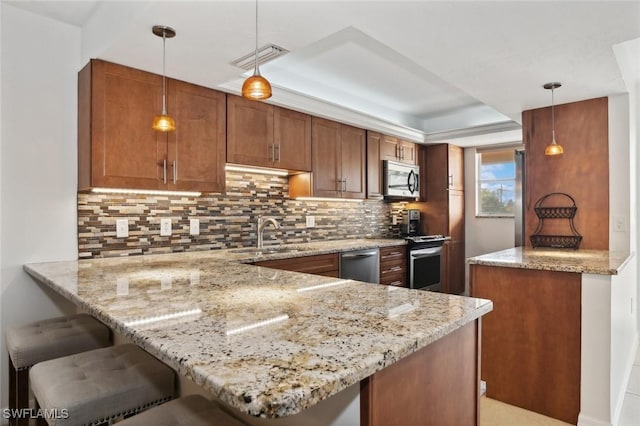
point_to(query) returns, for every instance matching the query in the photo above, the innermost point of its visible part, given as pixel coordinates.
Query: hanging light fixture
(162, 122)
(553, 148)
(256, 87)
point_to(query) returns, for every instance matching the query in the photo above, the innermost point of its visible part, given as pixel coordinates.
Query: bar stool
(43, 340)
(97, 386)
(192, 410)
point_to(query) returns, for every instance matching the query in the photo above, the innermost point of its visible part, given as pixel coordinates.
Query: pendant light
(553, 148)
(256, 87)
(162, 122)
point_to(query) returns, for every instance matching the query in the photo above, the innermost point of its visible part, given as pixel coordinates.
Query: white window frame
(479, 182)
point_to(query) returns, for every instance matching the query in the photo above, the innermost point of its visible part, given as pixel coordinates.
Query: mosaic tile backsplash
(226, 220)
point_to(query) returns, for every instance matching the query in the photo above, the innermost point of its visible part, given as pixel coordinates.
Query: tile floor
(630, 415)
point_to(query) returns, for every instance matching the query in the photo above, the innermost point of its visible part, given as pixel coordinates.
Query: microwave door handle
(411, 182)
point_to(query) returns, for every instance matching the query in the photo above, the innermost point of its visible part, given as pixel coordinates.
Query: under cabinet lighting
(259, 170)
(349, 200)
(144, 192)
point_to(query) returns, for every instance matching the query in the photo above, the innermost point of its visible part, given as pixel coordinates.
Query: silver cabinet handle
(344, 185)
(175, 171)
(272, 154)
(279, 151)
(402, 152)
(397, 152)
(164, 171)
(450, 181)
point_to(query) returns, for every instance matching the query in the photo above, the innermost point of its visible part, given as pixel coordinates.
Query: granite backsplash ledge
(226, 220)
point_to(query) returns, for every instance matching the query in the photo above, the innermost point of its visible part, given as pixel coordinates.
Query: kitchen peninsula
(272, 343)
(560, 338)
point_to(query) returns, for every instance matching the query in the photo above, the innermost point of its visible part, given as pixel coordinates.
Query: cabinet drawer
(392, 253)
(398, 279)
(323, 264)
(392, 266)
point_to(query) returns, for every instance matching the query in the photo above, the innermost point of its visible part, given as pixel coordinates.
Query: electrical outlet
(311, 221)
(194, 226)
(122, 228)
(165, 282)
(618, 223)
(165, 227)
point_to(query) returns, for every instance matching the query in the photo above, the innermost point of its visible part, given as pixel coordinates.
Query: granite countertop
(268, 342)
(602, 262)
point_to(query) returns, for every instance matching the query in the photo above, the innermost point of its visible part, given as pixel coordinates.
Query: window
(496, 178)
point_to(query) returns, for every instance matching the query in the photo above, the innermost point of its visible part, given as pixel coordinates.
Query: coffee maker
(410, 222)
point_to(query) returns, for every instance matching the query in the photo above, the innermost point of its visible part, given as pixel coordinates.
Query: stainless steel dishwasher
(361, 265)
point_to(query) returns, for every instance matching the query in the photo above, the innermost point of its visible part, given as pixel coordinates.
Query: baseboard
(590, 421)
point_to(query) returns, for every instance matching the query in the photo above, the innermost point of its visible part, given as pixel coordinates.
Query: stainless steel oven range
(423, 257)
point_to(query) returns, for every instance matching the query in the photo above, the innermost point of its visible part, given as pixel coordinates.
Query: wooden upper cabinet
(249, 132)
(353, 150)
(326, 158)
(292, 139)
(196, 149)
(456, 168)
(117, 148)
(338, 155)
(264, 135)
(395, 149)
(374, 166)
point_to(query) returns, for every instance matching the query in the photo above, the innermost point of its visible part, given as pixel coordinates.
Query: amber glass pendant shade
(256, 88)
(164, 123)
(553, 149)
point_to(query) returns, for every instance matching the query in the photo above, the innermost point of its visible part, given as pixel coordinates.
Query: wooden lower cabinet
(531, 340)
(452, 267)
(393, 266)
(322, 264)
(437, 385)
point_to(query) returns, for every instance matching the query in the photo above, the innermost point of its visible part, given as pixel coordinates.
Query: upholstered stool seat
(96, 386)
(192, 410)
(44, 340)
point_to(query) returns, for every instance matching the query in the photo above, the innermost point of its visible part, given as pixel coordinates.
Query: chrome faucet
(262, 223)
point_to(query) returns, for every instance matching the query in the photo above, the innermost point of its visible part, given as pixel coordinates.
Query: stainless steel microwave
(401, 180)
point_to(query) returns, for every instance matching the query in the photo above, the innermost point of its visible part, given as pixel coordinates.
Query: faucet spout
(262, 223)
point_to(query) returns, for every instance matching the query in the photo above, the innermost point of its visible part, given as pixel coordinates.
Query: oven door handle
(420, 254)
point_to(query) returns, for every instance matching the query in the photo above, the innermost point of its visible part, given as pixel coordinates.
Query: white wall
(619, 171)
(40, 60)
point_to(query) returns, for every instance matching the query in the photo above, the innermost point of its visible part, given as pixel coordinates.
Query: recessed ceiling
(424, 67)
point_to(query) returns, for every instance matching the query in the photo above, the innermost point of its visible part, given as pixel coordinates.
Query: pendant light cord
(553, 118)
(164, 87)
(256, 71)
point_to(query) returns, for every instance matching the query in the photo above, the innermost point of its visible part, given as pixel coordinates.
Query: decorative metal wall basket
(566, 212)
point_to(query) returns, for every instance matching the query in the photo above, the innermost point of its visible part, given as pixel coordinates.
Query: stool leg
(22, 394)
(13, 397)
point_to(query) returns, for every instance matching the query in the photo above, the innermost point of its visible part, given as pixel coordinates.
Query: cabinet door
(123, 149)
(249, 132)
(326, 158)
(292, 139)
(353, 162)
(196, 154)
(456, 215)
(389, 148)
(409, 152)
(374, 166)
(456, 168)
(456, 268)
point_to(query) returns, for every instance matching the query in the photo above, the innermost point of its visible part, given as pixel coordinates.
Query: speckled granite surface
(268, 342)
(601, 262)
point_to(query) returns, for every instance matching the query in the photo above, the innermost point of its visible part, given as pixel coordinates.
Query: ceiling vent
(265, 54)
